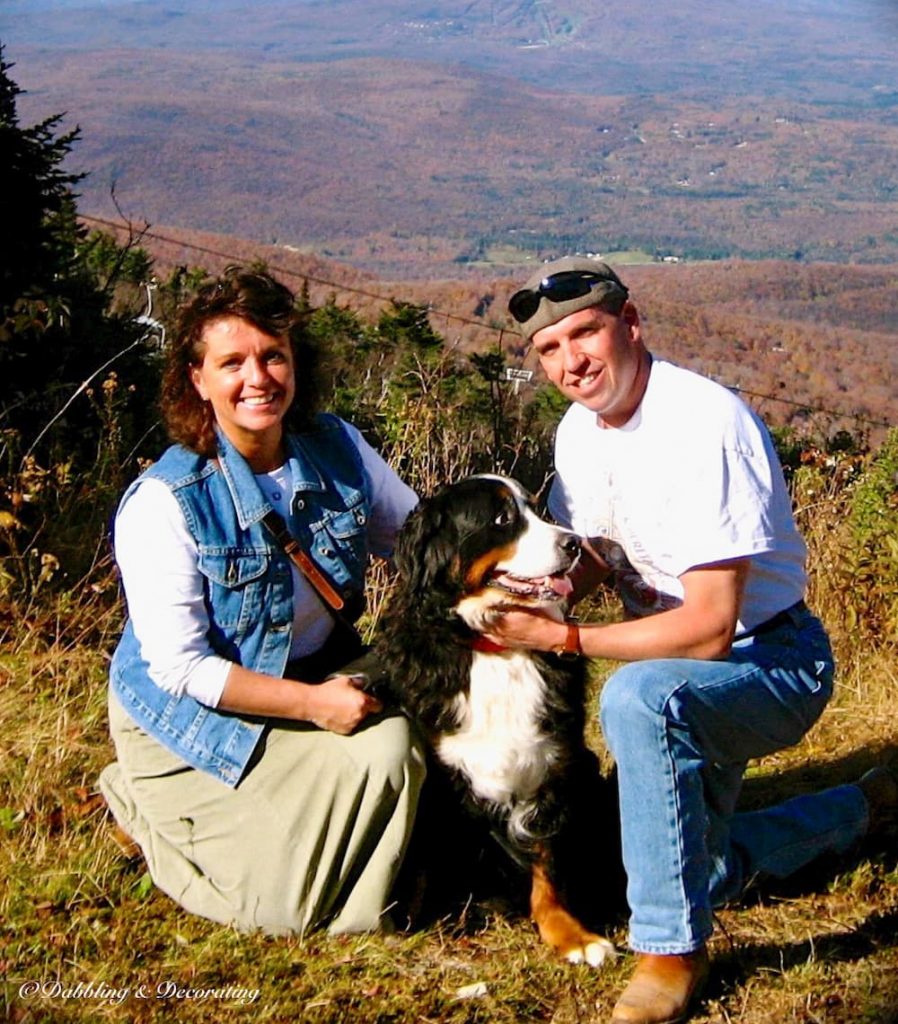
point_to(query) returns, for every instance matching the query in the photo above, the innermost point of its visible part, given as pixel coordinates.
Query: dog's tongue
(560, 584)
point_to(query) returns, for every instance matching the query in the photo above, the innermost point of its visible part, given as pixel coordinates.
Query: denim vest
(249, 588)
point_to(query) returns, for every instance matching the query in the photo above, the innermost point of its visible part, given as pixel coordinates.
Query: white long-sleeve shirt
(164, 589)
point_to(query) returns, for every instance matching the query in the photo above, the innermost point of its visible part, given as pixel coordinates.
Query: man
(676, 488)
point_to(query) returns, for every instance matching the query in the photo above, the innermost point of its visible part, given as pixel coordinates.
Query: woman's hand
(339, 705)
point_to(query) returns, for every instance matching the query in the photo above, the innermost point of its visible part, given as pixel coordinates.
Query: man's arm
(702, 627)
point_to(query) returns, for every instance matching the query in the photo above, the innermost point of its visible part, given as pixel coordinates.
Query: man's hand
(519, 627)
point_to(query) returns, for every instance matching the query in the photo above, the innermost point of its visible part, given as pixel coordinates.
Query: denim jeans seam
(689, 905)
(670, 948)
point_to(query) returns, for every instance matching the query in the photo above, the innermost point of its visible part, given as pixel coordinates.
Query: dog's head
(478, 546)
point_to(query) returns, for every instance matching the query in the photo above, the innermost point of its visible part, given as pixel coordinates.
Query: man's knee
(638, 689)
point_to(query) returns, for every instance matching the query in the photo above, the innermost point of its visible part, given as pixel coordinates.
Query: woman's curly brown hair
(258, 298)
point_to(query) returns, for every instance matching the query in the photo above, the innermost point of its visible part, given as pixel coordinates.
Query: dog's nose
(571, 546)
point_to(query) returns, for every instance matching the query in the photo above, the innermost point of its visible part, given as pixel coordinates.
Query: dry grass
(75, 912)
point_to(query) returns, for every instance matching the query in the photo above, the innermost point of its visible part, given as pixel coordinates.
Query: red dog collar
(486, 646)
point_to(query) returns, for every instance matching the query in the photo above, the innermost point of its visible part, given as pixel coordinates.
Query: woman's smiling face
(248, 378)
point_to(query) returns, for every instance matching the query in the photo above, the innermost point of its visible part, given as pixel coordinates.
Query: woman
(264, 787)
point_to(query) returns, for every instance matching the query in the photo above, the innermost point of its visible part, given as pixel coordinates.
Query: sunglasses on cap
(560, 287)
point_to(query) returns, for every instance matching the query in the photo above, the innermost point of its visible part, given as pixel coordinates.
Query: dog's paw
(594, 951)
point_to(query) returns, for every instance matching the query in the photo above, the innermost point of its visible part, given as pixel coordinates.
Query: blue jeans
(681, 732)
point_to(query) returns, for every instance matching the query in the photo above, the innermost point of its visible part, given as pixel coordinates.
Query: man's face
(598, 360)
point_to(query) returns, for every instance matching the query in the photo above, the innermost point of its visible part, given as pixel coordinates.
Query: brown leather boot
(662, 989)
(127, 846)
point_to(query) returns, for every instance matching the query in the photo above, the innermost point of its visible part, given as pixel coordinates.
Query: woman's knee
(391, 747)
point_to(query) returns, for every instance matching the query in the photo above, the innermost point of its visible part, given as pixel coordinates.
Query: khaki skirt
(313, 836)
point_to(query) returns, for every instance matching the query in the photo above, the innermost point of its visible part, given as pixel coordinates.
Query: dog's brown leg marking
(559, 929)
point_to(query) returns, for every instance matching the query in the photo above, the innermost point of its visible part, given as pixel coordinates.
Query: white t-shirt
(691, 479)
(157, 558)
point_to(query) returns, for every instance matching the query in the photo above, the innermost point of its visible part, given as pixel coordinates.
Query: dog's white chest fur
(500, 744)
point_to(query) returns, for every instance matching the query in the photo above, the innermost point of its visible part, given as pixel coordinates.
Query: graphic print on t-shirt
(639, 595)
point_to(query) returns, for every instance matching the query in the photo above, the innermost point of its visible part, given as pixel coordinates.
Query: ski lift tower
(153, 328)
(518, 376)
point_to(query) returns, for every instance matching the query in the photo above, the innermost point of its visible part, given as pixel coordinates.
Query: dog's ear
(427, 548)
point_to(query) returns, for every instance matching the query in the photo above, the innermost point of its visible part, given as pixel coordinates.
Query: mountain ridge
(806, 336)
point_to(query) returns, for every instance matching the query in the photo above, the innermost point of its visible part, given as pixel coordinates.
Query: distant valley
(461, 138)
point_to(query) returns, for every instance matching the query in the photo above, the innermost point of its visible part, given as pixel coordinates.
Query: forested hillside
(431, 142)
(807, 336)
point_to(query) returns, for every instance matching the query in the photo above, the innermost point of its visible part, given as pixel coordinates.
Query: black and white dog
(507, 724)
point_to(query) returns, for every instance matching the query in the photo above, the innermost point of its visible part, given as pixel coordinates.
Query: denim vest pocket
(235, 578)
(345, 532)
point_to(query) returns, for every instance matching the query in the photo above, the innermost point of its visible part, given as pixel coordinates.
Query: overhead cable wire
(500, 331)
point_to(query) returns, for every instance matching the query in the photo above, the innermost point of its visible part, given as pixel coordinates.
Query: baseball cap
(562, 287)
